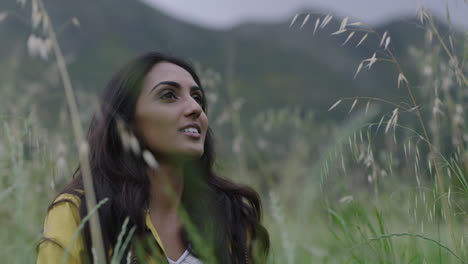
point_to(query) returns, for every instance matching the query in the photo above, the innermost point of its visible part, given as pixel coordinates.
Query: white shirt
(186, 258)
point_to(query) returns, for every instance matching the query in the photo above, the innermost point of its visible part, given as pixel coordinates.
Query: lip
(195, 125)
(191, 134)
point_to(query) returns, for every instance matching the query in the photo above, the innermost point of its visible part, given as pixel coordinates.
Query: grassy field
(381, 187)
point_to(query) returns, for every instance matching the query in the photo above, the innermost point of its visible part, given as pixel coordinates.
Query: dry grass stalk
(392, 121)
(305, 20)
(150, 159)
(362, 39)
(344, 22)
(96, 235)
(371, 60)
(387, 42)
(358, 69)
(401, 78)
(3, 15)
(293, 20)
(383, 38)
(356, 24)
(317, 22)
(335, 105)
(340, 31)
(75, 21)
(326, 20)
(348, 38)
(353, 105)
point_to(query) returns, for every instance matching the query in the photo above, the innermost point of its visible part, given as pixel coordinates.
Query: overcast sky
(226, 13)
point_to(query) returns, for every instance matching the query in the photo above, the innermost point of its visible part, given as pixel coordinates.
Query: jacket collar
(153, 230)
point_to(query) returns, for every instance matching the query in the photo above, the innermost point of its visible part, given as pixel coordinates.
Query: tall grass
(428, 133)
(378, 188)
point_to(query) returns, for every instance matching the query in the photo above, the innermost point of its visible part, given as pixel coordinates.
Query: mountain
(269, 65)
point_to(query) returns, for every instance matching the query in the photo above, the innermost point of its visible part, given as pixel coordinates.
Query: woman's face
(169, 117)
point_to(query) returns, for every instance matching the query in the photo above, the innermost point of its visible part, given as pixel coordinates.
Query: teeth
(191, 129)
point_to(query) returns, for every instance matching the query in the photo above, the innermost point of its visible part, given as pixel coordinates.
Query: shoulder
(73, 199)
(63, 215)
(61, 229)
(65, 204)
(64, 210)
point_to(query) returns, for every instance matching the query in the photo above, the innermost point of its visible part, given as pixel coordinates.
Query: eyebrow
(178, 86)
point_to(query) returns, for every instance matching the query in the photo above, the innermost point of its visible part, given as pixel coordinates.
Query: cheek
(153, 126)
(206, 123)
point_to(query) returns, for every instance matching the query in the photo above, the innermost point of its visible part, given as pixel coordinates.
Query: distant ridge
(274, 65)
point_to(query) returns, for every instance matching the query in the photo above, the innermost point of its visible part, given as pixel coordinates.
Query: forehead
(166, 71)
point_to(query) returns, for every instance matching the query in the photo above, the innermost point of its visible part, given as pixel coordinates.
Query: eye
(169, 95)
(199, 99)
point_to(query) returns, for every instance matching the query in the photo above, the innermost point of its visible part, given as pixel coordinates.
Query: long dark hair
(120, 175)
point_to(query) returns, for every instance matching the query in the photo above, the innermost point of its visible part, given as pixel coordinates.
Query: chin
(192, 154)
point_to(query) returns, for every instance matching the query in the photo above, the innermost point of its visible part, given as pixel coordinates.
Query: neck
(167, 184)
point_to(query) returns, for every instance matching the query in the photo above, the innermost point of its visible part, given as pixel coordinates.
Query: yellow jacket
(60, 225)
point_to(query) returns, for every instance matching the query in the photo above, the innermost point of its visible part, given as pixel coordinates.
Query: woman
(155, 107)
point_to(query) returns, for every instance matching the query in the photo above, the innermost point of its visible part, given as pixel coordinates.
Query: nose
(193, 108)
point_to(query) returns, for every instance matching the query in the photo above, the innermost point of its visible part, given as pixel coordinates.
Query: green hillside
(273, 65)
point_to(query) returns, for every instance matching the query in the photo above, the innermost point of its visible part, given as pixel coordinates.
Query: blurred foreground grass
(307, 224)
